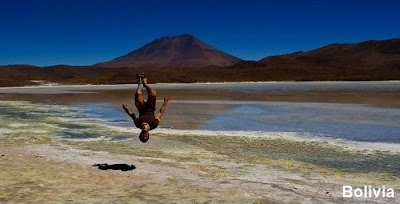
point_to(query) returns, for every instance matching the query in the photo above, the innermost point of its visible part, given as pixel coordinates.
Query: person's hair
(144, 136)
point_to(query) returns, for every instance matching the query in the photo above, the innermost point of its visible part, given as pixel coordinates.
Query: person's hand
(166, 98)
(125, 107)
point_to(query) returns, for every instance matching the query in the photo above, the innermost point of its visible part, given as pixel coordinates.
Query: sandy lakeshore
(188, 169)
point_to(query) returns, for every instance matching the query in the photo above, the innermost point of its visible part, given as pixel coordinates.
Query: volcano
(175, 51)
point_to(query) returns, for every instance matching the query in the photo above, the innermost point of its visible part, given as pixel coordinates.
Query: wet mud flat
(379, 98)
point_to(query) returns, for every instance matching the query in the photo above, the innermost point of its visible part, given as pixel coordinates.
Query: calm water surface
(355, 122)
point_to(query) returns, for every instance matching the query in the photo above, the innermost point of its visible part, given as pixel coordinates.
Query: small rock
(41, 185)
(3, 155)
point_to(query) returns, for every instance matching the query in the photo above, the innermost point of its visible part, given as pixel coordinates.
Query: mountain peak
(183, 50)
(184, 35)
(177, 37)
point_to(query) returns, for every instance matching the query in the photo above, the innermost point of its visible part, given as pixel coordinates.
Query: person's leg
(139, 102)
(152, 96)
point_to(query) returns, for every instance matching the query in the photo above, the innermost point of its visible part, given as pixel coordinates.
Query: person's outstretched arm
(162, 109)
(125, 107)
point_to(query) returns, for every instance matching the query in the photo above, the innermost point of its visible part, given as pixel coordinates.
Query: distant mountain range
(184, 58)
(177, 51)
(372, 53)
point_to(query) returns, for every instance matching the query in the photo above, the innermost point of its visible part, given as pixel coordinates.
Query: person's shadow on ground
(121, 167)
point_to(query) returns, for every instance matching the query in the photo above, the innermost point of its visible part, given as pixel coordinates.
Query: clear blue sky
(82, 32)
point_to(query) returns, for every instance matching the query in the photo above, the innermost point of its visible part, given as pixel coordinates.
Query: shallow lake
(349, 111)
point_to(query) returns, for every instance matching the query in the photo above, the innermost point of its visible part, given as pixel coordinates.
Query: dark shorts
(145, 106)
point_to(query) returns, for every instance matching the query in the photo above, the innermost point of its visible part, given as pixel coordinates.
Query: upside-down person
(146, 120)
